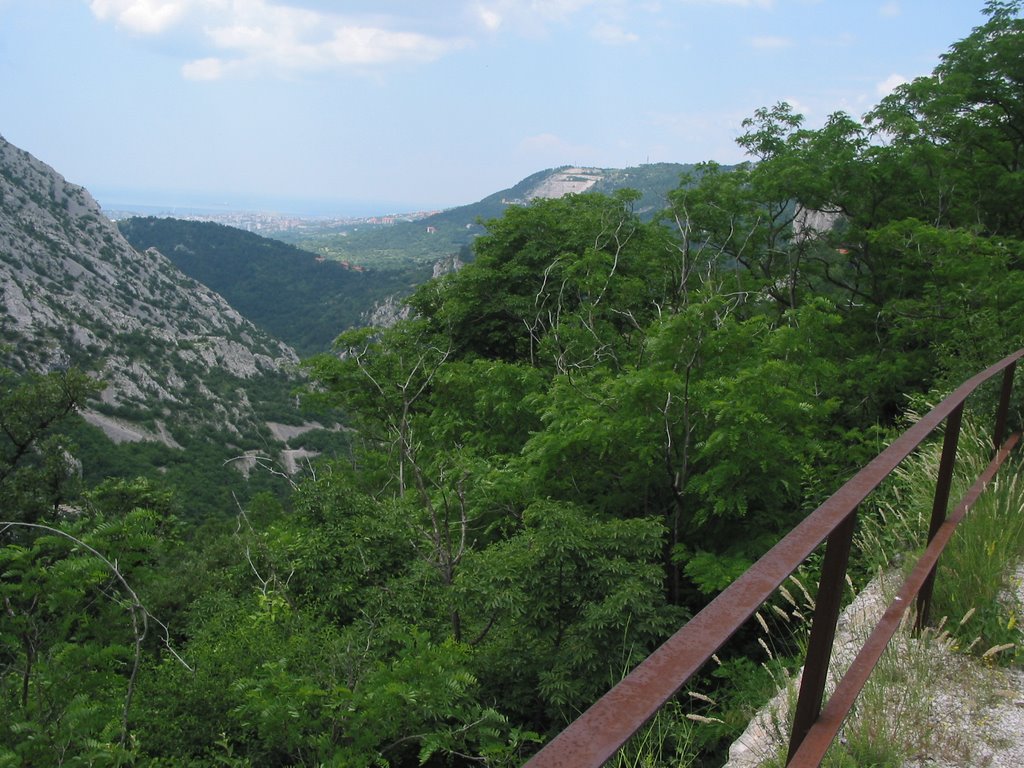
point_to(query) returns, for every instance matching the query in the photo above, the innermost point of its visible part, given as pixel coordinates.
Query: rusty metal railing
(594, 737)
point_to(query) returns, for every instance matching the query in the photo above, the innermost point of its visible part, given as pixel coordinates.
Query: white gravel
(973, 712)
(988, 715)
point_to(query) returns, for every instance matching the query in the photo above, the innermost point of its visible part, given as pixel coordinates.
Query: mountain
(298, 297)
(447, 233)
(177, 359)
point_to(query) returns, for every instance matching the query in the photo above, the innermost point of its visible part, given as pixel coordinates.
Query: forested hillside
(569, 447)
(288, 292)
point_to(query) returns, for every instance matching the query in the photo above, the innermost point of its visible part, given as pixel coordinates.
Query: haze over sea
(191, 204)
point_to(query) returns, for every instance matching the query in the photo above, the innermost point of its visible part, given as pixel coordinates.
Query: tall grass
(974, 585)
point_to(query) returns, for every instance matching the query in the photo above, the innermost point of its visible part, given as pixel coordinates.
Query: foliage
(582, 594)
(287, 291)
(567, 283)
(73, 634)
(36, 467)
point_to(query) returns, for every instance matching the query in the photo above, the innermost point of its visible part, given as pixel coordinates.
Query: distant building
(431, 230)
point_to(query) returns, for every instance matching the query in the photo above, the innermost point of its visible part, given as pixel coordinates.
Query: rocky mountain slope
(174, 354)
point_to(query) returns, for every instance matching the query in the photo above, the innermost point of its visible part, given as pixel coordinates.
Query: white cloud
(556, 10)
(261, 36)
(767, 42)
(890, 10)
(204, 69)
(890, 84)
(708, 134)
(531, 17)
(367, 45)
(147, 17)
(553, 149)
(489, 17)
(611, 34)
(543, 142)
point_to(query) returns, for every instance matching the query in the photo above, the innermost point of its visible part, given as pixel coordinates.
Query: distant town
(267, 223)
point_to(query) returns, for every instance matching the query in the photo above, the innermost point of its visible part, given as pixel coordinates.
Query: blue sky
(361, 106)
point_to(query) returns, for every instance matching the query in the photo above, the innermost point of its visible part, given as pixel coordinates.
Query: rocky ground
(986, 711)
(967, 712)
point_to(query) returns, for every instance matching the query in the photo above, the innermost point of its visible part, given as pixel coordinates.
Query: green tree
(37, 471)
(73, 636)
(560, 610)
(960, 131)
(567, 284)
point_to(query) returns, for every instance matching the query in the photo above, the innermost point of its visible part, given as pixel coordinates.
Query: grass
(927, 694)
(667, 740)
(975, 573)
(922, 701)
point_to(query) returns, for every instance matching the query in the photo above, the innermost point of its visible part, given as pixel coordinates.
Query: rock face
(566, 181)
(74, 292)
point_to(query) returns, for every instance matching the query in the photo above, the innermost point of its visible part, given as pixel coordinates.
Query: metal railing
(594, 737)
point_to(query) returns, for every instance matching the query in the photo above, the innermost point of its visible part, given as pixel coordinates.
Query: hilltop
(450, 232)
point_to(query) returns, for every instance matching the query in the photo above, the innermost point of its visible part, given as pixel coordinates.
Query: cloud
(611, 34)
(769, 43)
(530, 17)
(710, 133)
(551, 148)
(890, 10)
(489, 17)
(204, 69)
(146, 17)
(556, 10)
(543, 142)
(890, 84)
(255, 37)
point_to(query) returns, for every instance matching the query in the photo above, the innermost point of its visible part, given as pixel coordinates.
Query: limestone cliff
(74, 292)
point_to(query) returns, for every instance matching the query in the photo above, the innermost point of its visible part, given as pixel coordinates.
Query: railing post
(1004, 406)
(940, 506)
(823, 630)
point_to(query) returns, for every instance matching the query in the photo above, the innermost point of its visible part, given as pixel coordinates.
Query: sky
(356, 107)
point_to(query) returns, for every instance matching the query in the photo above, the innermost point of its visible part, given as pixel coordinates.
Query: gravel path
(988, 715)
(972, 712)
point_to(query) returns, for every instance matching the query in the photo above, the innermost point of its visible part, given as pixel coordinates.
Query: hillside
(298, 297)
(450, 232)
(181, 367)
